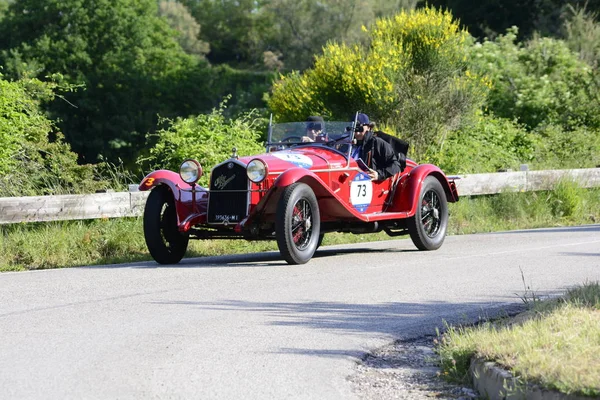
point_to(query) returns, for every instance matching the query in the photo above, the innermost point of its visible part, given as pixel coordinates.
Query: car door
(367, 196)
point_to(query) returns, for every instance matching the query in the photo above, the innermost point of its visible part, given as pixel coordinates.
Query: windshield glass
(335, 134)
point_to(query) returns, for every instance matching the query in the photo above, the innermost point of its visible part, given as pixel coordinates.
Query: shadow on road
(270, 258)
(395, 319)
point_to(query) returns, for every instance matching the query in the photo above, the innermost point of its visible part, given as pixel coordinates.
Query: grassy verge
(555, 344)
(66, 244)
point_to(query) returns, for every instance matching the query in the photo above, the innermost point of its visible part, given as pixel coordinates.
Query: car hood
(311, 157)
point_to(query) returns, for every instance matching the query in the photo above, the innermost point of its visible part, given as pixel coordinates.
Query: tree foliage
(538, 82)
(413, 79)
(582, 35)
(489, 18)
(234, 29)
(209, 138)
(125, 55)
(183, 22)
(487, 144)
(247, 32)
(34, 159)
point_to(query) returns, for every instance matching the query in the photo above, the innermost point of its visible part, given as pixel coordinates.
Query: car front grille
(228, 201)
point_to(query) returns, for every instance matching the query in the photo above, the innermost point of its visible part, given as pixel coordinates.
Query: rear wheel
(298, 223)
(166, 244)
(427, 228)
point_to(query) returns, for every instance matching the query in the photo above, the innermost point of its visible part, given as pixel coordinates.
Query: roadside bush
(539, 82)
(209, 138)
(561, 148)
(34, 159)
(413, 78)
(488, 144)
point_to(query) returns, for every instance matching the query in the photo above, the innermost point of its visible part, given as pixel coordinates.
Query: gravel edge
(405, 369)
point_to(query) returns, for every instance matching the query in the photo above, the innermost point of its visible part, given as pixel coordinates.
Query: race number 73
(361, 192)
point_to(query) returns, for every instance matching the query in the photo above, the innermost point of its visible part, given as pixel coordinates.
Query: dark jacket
(380, 156)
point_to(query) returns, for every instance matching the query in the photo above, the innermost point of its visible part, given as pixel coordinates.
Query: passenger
(376, 153)
(314, 129)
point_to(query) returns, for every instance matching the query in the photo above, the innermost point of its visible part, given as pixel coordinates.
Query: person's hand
(373, 174)
(306, 139)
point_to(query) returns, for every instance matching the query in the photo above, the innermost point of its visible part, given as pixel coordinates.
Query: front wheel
(166, 244)
(298, 223)
(427, 228)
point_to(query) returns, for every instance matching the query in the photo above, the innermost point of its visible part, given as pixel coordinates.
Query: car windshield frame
(335, 135)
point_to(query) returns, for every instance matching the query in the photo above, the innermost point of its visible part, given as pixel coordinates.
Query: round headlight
(256, 170)
(190, 171)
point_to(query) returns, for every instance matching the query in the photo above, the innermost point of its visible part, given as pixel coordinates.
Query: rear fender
(187, 210)
(406, 197)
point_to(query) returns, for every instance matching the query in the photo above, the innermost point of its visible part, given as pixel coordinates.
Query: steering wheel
(289, 139)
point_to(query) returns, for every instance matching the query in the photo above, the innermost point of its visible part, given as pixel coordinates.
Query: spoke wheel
(427, 228)
(298, 223)
(166, 244)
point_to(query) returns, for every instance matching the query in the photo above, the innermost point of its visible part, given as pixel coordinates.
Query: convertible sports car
(294, 193)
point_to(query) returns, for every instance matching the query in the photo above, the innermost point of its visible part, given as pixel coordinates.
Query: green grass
(556, 344)
(74, 243)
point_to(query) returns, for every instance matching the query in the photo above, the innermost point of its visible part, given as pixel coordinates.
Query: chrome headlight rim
(257, 170)
(190, 171)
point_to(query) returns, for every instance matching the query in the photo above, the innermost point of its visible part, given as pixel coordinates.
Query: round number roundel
(298, 159)
(361, 192)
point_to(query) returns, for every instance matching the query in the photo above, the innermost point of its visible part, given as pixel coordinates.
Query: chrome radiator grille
(228, 201)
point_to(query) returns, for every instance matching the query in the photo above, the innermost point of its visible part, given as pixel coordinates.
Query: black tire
(298, 223)
(427, 228)
(166, 244)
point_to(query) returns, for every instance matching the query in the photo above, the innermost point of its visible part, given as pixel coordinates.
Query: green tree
(233, 28)
(183, 22)
(582, 34)
(34, 159)
(126, 57)
(284, 33)
(413, 79)
(4, 6)
(387, 8)
(489, 18)
(539, 82)
(209, 138)
(305, 26)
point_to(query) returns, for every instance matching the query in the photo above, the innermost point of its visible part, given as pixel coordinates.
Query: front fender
(294, 175)
(189, 210)
(303, 175)
(164, 177)
(406, 197)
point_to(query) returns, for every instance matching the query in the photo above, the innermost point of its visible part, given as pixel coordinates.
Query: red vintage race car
(294, 193)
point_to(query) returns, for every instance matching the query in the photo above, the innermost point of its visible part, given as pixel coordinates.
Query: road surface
(252, 327)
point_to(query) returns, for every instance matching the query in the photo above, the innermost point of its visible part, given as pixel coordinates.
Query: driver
(314, 129)
(376, 153)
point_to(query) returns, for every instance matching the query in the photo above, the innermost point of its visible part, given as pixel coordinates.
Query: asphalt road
(252, 327)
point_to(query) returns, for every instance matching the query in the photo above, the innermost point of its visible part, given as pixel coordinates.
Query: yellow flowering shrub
(412, 78)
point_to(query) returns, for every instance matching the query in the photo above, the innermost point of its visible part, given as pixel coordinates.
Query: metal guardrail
(131, 204)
